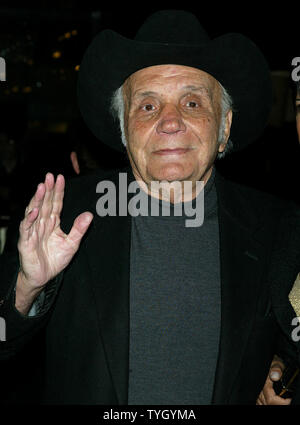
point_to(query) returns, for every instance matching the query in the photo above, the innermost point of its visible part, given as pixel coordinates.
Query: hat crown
(174, 27)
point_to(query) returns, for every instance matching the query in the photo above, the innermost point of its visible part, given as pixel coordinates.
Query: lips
(175, 151)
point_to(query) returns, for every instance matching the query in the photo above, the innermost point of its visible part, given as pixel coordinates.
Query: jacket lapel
(241, 268)
(108, 255)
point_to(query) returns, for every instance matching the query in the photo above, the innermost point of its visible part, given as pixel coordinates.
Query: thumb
(80, 226)
(275, 372)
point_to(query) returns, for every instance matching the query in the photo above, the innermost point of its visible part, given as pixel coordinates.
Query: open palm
(44, 249)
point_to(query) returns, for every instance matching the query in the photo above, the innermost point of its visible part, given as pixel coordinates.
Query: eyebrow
(184, 88)
(144, 93)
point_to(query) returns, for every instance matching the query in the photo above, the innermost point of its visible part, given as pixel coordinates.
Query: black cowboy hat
(175, 37)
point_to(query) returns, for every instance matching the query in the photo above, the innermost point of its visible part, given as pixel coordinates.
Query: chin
(170, 172)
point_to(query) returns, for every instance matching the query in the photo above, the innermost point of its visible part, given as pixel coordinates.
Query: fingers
(58, 195)
(46, 205)
(262, 398)
(48, 197)
(269, 397)
(36, 200)
(26, 225)
(49, 215)
(47, 202)
(54, 193)
(43, 211)
(272, 401)
(30, 218)
(31, 213)
(80, 226)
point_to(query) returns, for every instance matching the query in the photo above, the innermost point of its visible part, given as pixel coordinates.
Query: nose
(170, 120)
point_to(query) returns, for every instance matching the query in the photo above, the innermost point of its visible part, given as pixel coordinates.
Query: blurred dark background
(39, 121)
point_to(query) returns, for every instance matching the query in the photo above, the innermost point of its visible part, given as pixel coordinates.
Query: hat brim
(232, 59)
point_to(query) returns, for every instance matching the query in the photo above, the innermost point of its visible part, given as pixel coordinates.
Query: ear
(228, 121)
(75, 163)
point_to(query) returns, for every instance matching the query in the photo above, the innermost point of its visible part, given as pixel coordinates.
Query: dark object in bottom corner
(285, 387)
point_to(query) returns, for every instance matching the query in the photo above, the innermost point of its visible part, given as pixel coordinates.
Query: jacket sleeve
(19, 329)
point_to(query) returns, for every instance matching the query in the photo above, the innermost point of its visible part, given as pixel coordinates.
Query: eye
(192, 104)
(148, 107)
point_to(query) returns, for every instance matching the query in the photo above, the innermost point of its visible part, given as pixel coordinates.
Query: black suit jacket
(85, 323)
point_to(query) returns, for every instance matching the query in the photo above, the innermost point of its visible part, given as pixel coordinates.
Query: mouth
(175, 151)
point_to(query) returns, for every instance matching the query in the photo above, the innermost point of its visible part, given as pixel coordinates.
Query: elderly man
(149, 310)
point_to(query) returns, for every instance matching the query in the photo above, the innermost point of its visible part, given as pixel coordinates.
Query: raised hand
(44, 249)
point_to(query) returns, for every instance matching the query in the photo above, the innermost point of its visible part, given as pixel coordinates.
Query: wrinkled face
(298, 115)
(172, 119)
